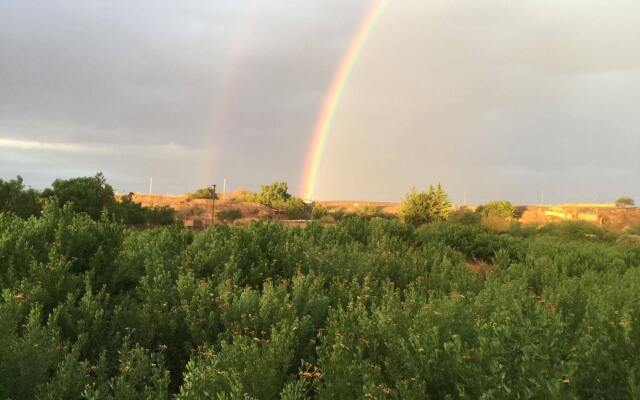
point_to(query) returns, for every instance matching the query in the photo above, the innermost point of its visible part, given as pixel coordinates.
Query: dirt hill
(197, 212)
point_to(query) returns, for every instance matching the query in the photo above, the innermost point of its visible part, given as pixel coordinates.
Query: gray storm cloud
(494, 99)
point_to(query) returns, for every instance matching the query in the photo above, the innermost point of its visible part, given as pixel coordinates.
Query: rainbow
(332, 98)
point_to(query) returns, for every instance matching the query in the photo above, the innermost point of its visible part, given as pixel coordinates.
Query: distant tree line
(90, 195)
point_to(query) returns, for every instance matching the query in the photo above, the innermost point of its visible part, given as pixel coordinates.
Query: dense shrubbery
(363, 309)
(273, 194)
(15, 198)
(129, 212)
(498, 209)
(90, 195)
(276, 196)
(319, 211)
(423, 207)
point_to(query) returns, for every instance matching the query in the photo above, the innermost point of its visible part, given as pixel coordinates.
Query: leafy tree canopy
(272, 194)
(86, 194)
(204, 193)
(498, 209)
(423, 207)
(15, 198)
(626, 201)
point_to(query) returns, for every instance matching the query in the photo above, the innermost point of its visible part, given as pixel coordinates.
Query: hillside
(197, 212)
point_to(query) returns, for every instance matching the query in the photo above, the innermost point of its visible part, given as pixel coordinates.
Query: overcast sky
(494, 99)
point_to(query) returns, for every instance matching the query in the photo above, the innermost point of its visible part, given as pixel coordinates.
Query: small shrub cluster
(318, 211)
(204, 193)
(368, 211)
(625, 202)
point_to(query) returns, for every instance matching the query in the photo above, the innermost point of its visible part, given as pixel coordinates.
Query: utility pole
(151, 185)
(213, 205)
(224, 189)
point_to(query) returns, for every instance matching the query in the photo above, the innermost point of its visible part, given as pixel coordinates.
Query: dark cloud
(492, 98)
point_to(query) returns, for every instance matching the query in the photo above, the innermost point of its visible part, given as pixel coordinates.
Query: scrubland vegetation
(92, 196)
(368, 307)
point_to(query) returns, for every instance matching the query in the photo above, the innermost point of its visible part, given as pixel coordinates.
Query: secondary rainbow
(332, 98)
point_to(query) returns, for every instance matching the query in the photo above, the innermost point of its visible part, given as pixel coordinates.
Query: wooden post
(213, 205)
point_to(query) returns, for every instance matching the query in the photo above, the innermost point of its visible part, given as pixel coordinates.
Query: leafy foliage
(626, 202)
(204, 193)
(368, 211)
(318, 211)
(273, 194)
(131, 213)
(86, 194)
(17, 199)
(365, 308)
(498, 209)
(295, 208)
(423, 207)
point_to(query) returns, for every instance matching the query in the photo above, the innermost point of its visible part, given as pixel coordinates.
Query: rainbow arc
(341, 76)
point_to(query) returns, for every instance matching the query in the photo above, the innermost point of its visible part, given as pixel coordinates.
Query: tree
(498, 209)
(295, 208)
(15, 198)
(273, 194)
(423, 207)
(625, 202)
(204, 193)
(86, 194)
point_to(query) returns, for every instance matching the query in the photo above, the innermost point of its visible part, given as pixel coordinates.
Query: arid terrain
(197, 212)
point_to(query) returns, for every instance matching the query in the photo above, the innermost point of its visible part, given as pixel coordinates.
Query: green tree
(15, 198)
(295, 208)
(423, 207)
(272, 194)
(626, 202)
(204, 193)
(87, 194)
(500, 209)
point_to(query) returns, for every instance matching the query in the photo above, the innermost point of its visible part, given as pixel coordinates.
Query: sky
(493, 99)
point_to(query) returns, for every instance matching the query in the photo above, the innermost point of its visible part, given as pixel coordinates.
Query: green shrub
(204, 193)
(337, 213)
(160, 215)
(465, 216)
(129, 212)
(15, 198)
(423, 207)
(90, 195)
(246, 197)
(368, 211)
(625, 202)
(318, 211)
(275, 193)
(295, 208)
(363, 308)
(498, 209)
